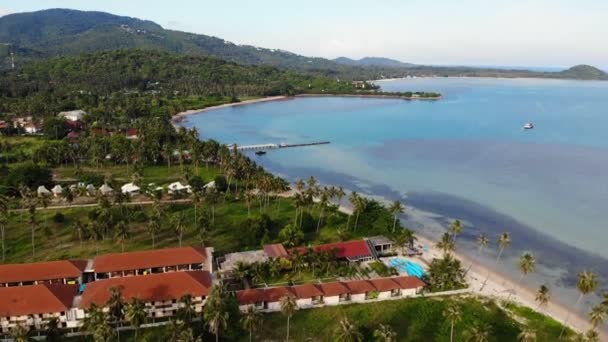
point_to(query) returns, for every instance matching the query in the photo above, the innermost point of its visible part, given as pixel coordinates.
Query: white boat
(528, 125)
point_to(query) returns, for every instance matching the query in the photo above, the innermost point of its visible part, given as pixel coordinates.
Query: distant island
(27, 37)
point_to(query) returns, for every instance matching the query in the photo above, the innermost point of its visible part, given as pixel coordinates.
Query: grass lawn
(159, 174)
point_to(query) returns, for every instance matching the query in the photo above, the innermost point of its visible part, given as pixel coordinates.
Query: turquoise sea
(465, 156)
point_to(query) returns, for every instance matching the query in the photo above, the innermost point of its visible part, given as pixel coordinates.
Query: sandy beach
(181, 115)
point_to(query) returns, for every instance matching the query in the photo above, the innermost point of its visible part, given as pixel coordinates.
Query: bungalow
(130, 189)
(410, 286)
(266, 299)
(43, 191)
(178, 188)
(91, 189)
(31, 128)
(160, 292)
(334, 293)
(32, 306)
(105, 189)
(361, 290)
(48, 272)
(275, 251)
(116, 265)
(386, 287)
(307, 295)
(72, 115)
(57, 190)
(132, 133)
(381, 244)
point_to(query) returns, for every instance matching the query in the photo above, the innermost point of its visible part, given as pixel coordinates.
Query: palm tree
(52, 332)
(592, 336)
(452, 314)
(527, 265)
(385, 333)
(455, 228)
(477, 333)
(3, 223)
(116, 306)
(504, 241)
(323, 201)
(597, 316)
(482, 242)
(216, 311)
(395, 209)
(586, 284)
(542, 296)
(527, 335)
(20, 333)
(217, 323)
(446, 244)
(288, 307)
(96, 323)
(186, 311)
(251, 320)
(348, 331)
(136, 314)
(178, 223)
(122, 234)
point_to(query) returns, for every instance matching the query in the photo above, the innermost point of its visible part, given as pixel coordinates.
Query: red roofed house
(387, 288)
(34, 305)
(410, 286)
(353, 251)
(132, 133)
(160, 292)
(50, 272)
(361, 290)
(334, 292)
(266, 299)
(275, 251)
(153, 261)
(307, 295)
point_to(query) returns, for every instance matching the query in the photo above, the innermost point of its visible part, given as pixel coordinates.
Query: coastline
(179, 117)
(373, 96)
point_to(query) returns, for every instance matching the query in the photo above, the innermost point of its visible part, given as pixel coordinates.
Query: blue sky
(466, 32)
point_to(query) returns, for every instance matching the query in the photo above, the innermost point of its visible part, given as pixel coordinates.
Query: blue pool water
(409, 267)
(465, 156)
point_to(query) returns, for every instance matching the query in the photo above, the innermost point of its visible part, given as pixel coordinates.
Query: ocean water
(465, 156)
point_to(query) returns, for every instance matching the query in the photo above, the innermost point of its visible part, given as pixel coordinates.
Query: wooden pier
(263, 147)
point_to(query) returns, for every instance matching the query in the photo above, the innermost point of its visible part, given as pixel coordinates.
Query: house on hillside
(47, 272)
(105, 189)
(43, 191)
(130, 189)
(31, 128)
(57, 190)
(73, 115)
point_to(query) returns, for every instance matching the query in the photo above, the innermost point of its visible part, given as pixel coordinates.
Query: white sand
(180, 115)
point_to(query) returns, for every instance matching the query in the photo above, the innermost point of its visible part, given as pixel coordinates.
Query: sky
(543, 33)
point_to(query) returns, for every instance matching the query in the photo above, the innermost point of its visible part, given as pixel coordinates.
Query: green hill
(585, 72)
(373, 61)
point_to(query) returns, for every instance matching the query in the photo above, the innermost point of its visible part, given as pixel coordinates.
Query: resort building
(160, 292)
(150, 262)
(381, 244)
(30, 307)
(49, 272)
(332, 293)
(275, 251)
(351, 251)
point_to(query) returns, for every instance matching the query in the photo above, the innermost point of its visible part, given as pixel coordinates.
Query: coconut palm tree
(20, 333)
(446, 244)
(504, 241)
(348, 331)
(323, 202)
(477, 333)
(395, 209)
(116, 306)
(453, 315)
(3, 223)
(542, 296)
(592, 336)
(136, 314)
(216, 310)
(597, 316)
(96, 323)
(288, 308)
(179, 225)
(385, 333)
(52, 331)
(251, 320)
(456, 228)
(586, 284)
(527, 335)
(527, 265)
(482, 243)
(122, 234)
(186, 311)
(217, 323)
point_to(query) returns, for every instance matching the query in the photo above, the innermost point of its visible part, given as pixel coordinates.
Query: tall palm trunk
(394, 222)
(287, 329)
(320, 218)
(488, 274)
(452, 333)
(357, 220)
(567, 320)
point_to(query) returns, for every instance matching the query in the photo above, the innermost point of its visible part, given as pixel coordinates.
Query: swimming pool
(409, 267)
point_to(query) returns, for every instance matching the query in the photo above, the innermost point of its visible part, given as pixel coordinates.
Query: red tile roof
(359, 286)
(384, 284)
(274, 294)
(345, 250)
(250, 296)
(305, 291)
(333, 289)
(275, 250)
(149, 288)
(36, 299)
(149, 259)
(409, 282)
(40, 271)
